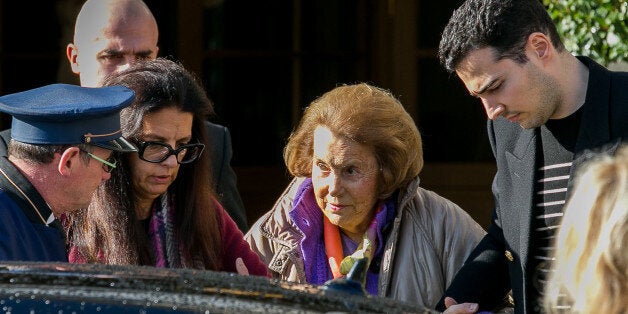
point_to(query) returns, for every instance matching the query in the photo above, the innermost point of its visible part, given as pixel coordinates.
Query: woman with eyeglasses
(157, 208)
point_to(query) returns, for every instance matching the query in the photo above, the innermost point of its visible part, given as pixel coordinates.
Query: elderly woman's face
(345, 176)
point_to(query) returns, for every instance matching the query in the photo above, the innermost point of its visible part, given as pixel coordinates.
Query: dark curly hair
(503, 25)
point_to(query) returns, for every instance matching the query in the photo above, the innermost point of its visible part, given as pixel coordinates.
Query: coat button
(509, 256)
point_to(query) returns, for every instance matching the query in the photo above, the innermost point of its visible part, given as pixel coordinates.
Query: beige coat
(430, 240)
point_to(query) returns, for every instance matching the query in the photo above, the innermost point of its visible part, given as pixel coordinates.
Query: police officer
(62, 147)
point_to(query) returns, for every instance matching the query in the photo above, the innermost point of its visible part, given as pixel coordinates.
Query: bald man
(109, 35)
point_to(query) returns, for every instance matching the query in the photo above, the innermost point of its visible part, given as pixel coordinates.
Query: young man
(63, 138)
(547, 110)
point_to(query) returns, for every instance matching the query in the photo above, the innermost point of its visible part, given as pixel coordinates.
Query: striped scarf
(168, 250)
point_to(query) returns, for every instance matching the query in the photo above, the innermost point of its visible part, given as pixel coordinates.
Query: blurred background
(263, 62)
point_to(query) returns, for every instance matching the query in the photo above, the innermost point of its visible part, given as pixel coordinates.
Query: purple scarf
(308, 218)
(166, 247)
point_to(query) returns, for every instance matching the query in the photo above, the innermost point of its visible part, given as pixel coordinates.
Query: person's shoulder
(221, 213)
(215, 128)
(218, 134)
(597, 72)
(441, 216)
(430, 208)
(10, 212)
(434, 202)
(619, 77)
(277, 219)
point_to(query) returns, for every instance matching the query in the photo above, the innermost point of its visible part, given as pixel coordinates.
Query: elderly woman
(356, 156)
(157, 208)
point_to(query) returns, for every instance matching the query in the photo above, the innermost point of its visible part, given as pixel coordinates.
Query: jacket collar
(24, 193)
(407, 193)
(595, 124)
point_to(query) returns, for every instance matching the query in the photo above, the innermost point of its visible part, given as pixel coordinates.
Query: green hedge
(594, 28)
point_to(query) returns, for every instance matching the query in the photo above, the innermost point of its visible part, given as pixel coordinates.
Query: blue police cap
(62, 114)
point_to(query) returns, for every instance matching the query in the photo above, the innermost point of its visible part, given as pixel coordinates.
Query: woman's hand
(454, 308)
(240, 267)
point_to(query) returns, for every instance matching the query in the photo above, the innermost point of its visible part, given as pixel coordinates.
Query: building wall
(263, 62)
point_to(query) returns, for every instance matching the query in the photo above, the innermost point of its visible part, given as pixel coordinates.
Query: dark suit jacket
(223, 175)
(500, 261)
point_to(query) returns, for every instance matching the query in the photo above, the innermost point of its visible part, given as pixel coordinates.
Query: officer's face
(95, 174)
(169, 126)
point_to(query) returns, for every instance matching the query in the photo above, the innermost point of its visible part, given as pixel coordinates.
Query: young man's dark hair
(503, 25)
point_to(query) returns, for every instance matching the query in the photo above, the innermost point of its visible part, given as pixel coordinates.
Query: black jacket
(500, 262)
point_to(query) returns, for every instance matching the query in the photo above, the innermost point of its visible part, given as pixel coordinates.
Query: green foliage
(594, 28)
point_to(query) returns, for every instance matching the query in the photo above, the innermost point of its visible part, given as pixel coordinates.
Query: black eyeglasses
(157, 152)
(108, 165)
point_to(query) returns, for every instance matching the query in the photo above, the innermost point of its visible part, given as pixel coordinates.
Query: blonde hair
(591, 266)
(367, 115)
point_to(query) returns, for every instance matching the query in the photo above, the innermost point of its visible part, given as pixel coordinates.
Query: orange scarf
(339, 264)
(333, 248)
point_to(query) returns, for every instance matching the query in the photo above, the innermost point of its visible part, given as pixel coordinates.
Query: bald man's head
(109, 35)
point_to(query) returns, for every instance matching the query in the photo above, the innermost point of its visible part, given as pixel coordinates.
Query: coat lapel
(521, 163)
